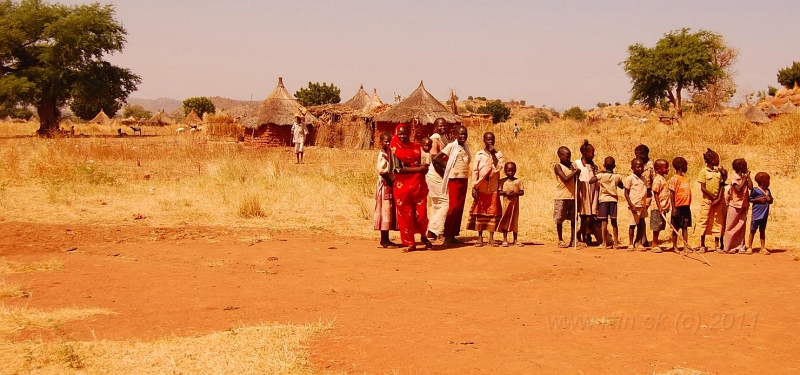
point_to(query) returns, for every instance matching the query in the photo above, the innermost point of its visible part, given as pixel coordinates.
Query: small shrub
(250, 207)
(575, 113)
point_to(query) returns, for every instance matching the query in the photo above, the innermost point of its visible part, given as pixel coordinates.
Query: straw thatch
(420, 105)
(160, 118)
(101, 119)
(279, 108)
(129, 121)
(192, 119)
(7, 119)
(65, 122)
(772, 111)
(756, 116)
(360, 101)
(789, 107)
(375, 103)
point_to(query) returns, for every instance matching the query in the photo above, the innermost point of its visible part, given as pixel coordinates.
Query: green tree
(602, 105)
(575, 113)
(681, 60)
(469, 97)
(317, 94)
(790, 76)
(200, 105)
(499, 111)
(52, 55)
(772, 90)
(136, 111)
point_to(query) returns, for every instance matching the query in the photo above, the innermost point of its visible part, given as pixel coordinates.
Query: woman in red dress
(410, 189)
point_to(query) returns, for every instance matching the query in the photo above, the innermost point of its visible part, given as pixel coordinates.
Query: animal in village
(194, 129)
(136, 129)
(180, 130)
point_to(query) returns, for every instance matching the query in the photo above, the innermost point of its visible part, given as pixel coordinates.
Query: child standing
(636, 195)
(607, 206)
(385, 219)
(648, 173)
(564, 208)
(511, 189)
(658, 214)
(712, 209)
(761, 198)
(427, 144)
(587, 194)
(680, 195)
(737, 197)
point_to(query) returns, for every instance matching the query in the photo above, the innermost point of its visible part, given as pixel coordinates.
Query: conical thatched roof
(420, 105)
(360, 100)
(160, 118)
(101, 118)
(772, 111)
(129, 120)
(279, 108)
(192, 119)
(756, 116)
(789, 107)
(65, 122)
(375, 102)
(7, 119)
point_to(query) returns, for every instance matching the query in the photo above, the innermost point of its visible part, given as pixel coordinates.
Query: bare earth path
(467, 310)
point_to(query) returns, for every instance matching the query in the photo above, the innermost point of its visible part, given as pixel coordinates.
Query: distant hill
(152, 105)
(170, 105)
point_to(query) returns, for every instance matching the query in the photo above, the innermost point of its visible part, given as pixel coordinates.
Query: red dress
(410, 191)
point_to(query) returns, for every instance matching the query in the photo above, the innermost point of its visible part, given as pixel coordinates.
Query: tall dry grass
(189, 179)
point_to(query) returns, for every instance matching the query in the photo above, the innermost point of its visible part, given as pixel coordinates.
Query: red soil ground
(535, 309)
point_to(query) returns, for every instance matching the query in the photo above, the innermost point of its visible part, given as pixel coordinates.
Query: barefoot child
(564, 208)
(427, 144)
(680, 196)
(485, 212)
(658, 214)
(738, 202)
(636, 195)
(607, 208)
(648, 173)
(384, 202)
(587, 194)
(712, 209)
(761, 198)
(511, 189)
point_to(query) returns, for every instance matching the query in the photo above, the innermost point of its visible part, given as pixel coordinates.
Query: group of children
(591, 196)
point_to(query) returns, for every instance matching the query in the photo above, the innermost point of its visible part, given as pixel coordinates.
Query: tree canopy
(317, 94)
(499, 111)
(136, 111)
(575, 113)
(679, 61)
(200, 105)
(790, 76)
(51, 55)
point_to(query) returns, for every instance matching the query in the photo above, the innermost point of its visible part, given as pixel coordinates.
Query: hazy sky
(554, 53)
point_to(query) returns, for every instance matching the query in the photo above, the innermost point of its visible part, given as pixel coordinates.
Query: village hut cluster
(354, 124)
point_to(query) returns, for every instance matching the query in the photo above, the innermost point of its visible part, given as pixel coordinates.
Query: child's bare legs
(604, 233)
(385, 241)
(763, 236)
(674, 242)
(631, 239)
(583, 233)
(505, 236)
(640, 237)
(615, 230)
(516, 241)
(655, 241)
(685, 233)
(480, 238)
(491, 238)
(560, 230)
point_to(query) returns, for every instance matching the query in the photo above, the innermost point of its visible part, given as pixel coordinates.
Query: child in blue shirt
(761, 199)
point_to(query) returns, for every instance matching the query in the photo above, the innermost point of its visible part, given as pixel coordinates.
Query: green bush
(575, 113)
(789, 76)
(499, 111)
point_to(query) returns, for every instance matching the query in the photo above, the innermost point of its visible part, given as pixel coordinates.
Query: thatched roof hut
(360, 100)
(129, 121)
(772, 111)
(756, 116)
(270, 123)
(160, 118)
(375, 102)
(420, 105)
(192, 119)
(789, 107)
(7, 119)
(101, 118)
(65, 122)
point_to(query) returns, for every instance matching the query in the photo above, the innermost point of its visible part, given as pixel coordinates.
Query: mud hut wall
(276, 135)
(348, 132)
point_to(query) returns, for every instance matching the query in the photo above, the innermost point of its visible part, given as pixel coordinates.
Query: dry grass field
(169, 180)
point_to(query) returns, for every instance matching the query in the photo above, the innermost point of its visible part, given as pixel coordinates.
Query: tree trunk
(48, 117)
(678, 108)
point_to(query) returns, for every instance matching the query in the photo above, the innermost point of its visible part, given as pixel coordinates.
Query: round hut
(360, 100)
(101, 118)
(755, 115)
(789, 107)
(192, 119)
(160, 118)
(271, 122)
(420, 105)
(772, 112)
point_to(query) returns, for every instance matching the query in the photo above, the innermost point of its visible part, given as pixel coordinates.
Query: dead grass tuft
(14, 319)
(11, 267)
(10, 290)
(250, 207)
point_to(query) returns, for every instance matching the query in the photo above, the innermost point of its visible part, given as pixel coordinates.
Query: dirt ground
(536, 309)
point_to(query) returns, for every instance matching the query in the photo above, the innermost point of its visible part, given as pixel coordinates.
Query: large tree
(790, 75)
(200, 105)
(719, 90)
(317, 94)
(51, 55)
(681, 60)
